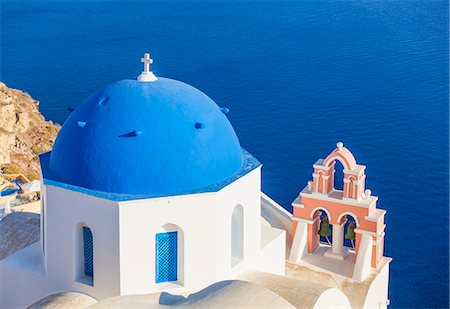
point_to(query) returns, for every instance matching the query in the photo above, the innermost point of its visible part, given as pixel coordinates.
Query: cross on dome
(147, 61)
(147, 75)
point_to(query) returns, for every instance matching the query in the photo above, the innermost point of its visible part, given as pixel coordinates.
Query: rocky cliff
(24, 132)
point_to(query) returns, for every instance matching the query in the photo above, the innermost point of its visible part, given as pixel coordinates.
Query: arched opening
(237, 235)
(350, 224)
(323, 227)
(169, 254)
(84, 254)
(338, 175)
(88, 252)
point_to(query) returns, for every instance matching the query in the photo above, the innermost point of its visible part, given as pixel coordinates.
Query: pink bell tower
(354, 200)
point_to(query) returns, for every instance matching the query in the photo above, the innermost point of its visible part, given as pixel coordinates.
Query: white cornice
(376, 219)
(324, 197)
(298, 205)
(380, 234)
(357, 171)
(322, 167)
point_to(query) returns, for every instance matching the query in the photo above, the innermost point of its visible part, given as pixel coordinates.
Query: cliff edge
(24, 133)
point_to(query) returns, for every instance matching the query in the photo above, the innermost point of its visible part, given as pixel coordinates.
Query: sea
(297, 76)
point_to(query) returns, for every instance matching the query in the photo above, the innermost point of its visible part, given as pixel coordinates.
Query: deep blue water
(297, 77)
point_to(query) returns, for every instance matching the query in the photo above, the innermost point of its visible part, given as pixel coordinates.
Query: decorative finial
(147, 75)
(340, 145)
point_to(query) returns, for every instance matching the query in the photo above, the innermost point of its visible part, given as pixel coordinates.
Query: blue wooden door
(166, 257)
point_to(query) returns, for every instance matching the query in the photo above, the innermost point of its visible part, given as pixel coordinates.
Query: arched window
(338, 175)
(323, 226)
(88, 252)
(351, 222)
(237, 235)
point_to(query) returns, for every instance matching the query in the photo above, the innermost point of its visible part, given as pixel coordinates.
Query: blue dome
(148, 138)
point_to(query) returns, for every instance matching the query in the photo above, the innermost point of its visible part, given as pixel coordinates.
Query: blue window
(166, 257)
(88, 248)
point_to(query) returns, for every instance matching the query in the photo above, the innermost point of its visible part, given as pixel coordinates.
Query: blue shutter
(166, 257)
(88, 252)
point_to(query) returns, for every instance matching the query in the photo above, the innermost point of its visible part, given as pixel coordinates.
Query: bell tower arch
(353, 200)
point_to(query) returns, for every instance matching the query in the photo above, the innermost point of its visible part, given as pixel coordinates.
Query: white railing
(275, 214)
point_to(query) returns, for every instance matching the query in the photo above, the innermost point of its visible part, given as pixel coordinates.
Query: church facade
(147, 189)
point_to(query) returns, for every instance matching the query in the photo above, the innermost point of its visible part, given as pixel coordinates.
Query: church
(147, 189)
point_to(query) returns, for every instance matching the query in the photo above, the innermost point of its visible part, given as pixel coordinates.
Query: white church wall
(22, 271)
(141, 220)
(273, 251)
(244, 193)
(43, 215)
(65, 214)
(124, 237)
(299, 248)
(363, 261)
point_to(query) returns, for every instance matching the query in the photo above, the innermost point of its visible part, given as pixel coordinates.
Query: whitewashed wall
(124, 237)
(141, 220)
(65, 213)
(246, 193)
